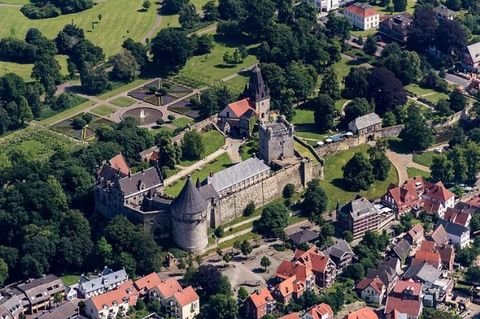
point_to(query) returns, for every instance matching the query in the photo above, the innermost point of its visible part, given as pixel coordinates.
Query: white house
(372, 290)
(363, 16)
(112, 304)
(105, 281)
(324, 5)
(457, 234)
(184, 304)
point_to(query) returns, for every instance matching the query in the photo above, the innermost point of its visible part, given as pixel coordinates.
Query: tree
(245, 248)
(473, 274)
(400, 5)
(210, 11)
(348, 236)
(370, 47)
(301, 79)
(249, 209)
(188, 16)
(379, 161)
(355, 271)
(338, 26)
(358, 173)
(356, 83)
(273, 221)
(46, 70)
(242, 293)
(192, 146)
(210, 281)
(258, 17)
(324, 112)
(173, 6)
(231, 9)
(94, 80)
(68, 38)
(3, 271)
(288, 190)
(438, 314)
(458, 101)
(315, 202)
(124, 66)
(458, 138)
(138, 50)
(146, 5)
(441, 169)
(220, 306)
(386, 90)
(417, 135)
(265, 263)
(451, 39)
(356, 108)
(203, 44)
(170, 48)
(330, 84)
(423, 31)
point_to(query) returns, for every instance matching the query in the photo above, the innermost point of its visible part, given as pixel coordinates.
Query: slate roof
(358, 208)
(140, 181)
(190, 200)
(303, 236)
(366, 120)
(237, 173)
(402, 249)
(257, 88)
(49, 283)
(423, 272)
(65, 311)
(89, 285)
(444, 11)
(452, 228)
(339, 249)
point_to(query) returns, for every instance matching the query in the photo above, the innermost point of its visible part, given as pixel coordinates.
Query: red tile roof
(118, 162)
(168, 287)
(186, 296)
(406, 306)
(314, 258)
(261, 297)
(447, 255)
(364, 313)
(375, 283)
(457, 216)
(241, 107)
(148, 282)
(290, 268)
(291, 316)
(289, 286)
(416, 232)
(125, 292)
(404, 286)
(363, 10)
(438, 191)
(427, 245)
(432, 258)
(474, 201)
(321, 311)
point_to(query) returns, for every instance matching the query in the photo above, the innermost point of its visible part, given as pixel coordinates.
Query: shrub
(171, 117)
(219, 232)
(288, 190)
(250, 209)
(33, 12)
(160, 122)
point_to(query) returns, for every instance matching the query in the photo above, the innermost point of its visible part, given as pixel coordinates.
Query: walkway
(403, 161)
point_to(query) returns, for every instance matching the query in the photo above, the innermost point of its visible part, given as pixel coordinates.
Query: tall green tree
(379, 161)
(324, 112)
(273, 221)
(315, 202)
(417, 135)
(441, 169)
(192, 146)
(171, 48)
(358, 173)
(46, 70)
(330, 85)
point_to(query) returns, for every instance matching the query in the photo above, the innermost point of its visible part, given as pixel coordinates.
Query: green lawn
(123, 101)
(417, 89)
(123, 88)
(247, 150)
(410, 8)
(169, 21)
(304, 151)
(333, 179)
(437, 96)
(25, 70)
(120, 19)
(69, 280)
(412, 172)
(67, 113)
(209, 68)
(19, 2)
(364, 33)
(304, 121)
(424, 158)
(219, 164)
(103, 110)
(212, 140)
(237, 84)
(303, 116)
(182, 122)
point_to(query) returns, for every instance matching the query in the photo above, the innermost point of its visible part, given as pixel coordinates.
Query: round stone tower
(189, 219)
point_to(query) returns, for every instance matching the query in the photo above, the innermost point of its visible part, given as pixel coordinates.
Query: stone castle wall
(263, 192)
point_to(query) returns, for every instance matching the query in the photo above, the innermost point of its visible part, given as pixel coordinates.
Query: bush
(33, 12)
(249, 210)
(78, 123)
(160, 122)
(219, 232)
(288, 190)
(171, 117)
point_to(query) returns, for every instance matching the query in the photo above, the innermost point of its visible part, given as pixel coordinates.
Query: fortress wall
(263, 192)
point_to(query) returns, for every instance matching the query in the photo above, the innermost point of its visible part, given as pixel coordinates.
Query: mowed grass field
(25, 70)
(121, 19)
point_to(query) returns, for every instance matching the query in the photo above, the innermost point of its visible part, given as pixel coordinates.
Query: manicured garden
(123, 101)
(103, 110)
(220, 163)
(332, 183)
(108, 33)
(67, 113)
(212, 140)
(182, 122)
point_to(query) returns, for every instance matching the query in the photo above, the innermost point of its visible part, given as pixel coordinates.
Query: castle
(221, 197)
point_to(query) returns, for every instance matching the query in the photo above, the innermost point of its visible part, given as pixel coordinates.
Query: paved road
(456, 80)
(401, 162)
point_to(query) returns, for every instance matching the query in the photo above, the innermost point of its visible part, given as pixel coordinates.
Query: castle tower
(189, 219)
(276, 140)
(259, 93)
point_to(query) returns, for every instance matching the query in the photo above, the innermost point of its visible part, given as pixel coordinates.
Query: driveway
(401, 162)
(456, 80)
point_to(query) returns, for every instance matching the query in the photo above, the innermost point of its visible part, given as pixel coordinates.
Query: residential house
(341, 254)
(437, 198)
(396, 27)
(184, 304)
(363, 313)
(439, 236)
(457, 234)
(405, 298)
(10, 306)
(429, 257)
(303, 236)
(103, 282)
(324, 6)
(145, 284)
(422, 272)
(71, 292)
(294, 315)
(259, 304)
(402, 249)
(447, 256)
(445, 252)
(39, 294)
(359, 216)
(388, 272)
(288, 289)
(443, 13)
(372, 290)
(294, 278)
(415, 235)
(112, 304)
(323, 267)
(366, 124)
(164, 290)
(68, 310)
(458, 216)
(237, 118)
(362, 16)
(402, 199)
(321, 311)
